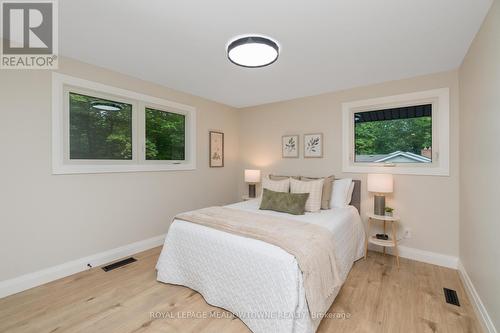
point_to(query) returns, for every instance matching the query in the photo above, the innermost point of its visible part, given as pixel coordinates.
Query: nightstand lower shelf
(381, 242)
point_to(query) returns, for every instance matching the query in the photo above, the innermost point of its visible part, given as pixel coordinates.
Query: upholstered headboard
(356, 195)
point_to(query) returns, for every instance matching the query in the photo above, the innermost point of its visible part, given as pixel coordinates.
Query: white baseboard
(423, 256)
(428, 257)
(30, 280)
(478, 305)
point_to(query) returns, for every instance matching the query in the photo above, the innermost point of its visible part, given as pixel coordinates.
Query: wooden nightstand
(392, 241)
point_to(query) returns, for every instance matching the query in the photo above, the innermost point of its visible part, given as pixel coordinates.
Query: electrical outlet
(407, 233)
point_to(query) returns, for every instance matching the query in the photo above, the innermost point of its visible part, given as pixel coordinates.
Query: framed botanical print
(313, 145)
(290, 146)
(216, 149)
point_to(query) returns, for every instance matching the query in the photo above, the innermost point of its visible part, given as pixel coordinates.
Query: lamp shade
(252, 176)
(380, 183)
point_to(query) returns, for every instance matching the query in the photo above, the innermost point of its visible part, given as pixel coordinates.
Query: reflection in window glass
(100, 129)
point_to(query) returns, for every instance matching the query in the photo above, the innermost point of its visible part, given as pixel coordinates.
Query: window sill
(398, 170)
(85, 169)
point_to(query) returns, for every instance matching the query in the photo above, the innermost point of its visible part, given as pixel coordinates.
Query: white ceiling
(326, 45)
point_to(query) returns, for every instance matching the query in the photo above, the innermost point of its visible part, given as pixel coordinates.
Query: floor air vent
(117, 264)
(451, 296)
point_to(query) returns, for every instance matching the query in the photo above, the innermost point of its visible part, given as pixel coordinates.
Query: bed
(257, 281)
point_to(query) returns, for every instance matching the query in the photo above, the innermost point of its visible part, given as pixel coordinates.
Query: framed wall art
(313, 145)
(290, 146)
(216, 140)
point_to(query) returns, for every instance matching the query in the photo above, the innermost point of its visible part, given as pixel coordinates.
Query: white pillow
(340, 192)
(276, 185)
(349, 194)
(315, 190)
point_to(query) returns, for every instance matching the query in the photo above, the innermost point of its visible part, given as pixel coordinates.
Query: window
(397, 135)
(165, 135)
(403, 134)
(98, 128)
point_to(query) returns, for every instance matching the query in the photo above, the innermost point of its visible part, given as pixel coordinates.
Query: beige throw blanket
(312, 246)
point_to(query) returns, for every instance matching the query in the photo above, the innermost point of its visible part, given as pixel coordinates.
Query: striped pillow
(276, 185)
(327, 190)
(315, 190)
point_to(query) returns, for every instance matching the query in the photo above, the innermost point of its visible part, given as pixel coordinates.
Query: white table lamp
(380, 184)
(252, 177)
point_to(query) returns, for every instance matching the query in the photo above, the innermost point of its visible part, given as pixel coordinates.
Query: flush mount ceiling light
(253, 51)
(104, 106)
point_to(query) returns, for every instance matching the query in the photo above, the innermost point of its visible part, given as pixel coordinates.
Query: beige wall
(480, 161)
(50, 219)
(428, 205)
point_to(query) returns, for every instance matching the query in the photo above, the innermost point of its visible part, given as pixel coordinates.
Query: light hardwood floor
(377, 296)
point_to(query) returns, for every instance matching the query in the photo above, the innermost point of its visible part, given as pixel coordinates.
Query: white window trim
(60, 159)
(441, 133)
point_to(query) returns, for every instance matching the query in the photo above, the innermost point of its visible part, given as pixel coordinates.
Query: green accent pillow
(292, 203)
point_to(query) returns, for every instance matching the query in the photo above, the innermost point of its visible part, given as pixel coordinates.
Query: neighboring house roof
(395, 157)
(369, 158)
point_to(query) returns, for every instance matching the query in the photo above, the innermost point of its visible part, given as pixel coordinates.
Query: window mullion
(140, 133)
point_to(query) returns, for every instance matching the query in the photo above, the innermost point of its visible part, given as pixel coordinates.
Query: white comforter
(258, 282)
